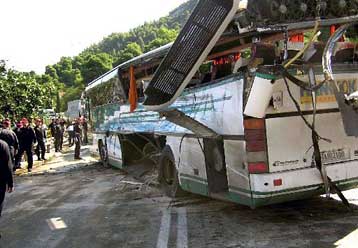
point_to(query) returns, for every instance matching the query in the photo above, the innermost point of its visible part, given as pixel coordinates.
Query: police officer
(7, 135)
(78, 131)
(6, 180)
(40, 137)
(27, 138)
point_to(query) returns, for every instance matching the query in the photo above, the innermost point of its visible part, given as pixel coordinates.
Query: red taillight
(255, 137)
(277, 182)
(256, 146)
(257, 168)
(254, 124)
(255, 134)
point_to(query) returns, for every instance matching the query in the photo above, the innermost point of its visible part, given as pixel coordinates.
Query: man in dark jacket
(27, 138)
(6, 180)
(63, 128)
(7, 135)
(52, 127)
(17, 131)
(40, 137)
(57, 135)
(78, 132)
(85, 131)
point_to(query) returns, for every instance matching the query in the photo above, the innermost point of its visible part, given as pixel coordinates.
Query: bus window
(109, 91)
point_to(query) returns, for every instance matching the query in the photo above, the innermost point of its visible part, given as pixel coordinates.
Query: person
(57, 135)
(62, 124)
(6, 178)
(27, 139)
(17, 131)
(78, 131)
(71, 134)
(85, 131)
(7, 135)
(52, 128)
(41, 140)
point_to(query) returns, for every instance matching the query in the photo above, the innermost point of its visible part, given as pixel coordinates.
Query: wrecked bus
(242, 106)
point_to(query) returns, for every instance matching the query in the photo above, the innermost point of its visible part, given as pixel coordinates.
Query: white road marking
(182, 229)
(164, 231)
(56, 223)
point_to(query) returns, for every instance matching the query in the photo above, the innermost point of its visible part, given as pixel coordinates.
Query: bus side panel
(190, 162)
(114, 151)
(237, 173)
(222, 105)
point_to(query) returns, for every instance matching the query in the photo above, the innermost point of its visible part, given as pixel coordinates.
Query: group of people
(77, 133)
(21, 139)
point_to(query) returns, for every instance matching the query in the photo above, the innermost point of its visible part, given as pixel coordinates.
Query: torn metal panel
(179, 118)
(349, 115)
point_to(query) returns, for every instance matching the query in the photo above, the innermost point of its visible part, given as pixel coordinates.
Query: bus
(237, 110)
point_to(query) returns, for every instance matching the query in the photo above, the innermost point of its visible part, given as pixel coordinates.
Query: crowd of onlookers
(24, 137)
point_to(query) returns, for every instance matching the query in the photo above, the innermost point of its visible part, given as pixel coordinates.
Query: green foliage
(94, 66)
(23, 94)
(132, 50)
(58, 102)
(71, 75)
(164, 36)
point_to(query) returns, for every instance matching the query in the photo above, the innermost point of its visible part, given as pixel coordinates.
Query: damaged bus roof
(144, 58)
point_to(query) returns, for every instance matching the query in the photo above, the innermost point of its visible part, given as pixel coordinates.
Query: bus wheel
(103, 153)
(168, 174)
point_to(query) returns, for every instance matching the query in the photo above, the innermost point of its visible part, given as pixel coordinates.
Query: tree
(164, 37)
(130, 51)
(70, 75)
(24, 95)
(95, 65)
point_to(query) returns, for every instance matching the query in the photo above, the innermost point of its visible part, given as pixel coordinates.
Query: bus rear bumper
(300, 184)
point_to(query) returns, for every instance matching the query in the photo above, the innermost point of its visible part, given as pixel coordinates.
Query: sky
(36, 33)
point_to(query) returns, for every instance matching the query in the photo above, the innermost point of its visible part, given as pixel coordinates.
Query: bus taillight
(257, 168)
(255, 137)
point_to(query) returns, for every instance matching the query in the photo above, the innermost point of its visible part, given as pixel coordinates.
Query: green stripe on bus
(194, 177)
(195, 187)
(201, 188)
(303, 187)
(272, 193)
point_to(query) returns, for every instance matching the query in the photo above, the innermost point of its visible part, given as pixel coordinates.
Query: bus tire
(103, 153)
(168, 175)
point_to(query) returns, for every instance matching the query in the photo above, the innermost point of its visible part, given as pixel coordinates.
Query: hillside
(71, 74)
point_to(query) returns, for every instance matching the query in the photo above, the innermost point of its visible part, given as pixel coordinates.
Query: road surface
(91, 206)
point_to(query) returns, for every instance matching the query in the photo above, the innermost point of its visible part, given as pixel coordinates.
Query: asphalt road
(96, 207)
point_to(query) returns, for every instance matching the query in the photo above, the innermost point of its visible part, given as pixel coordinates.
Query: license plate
(334, 156)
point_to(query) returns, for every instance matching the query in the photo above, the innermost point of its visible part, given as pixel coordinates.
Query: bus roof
(146, 57)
